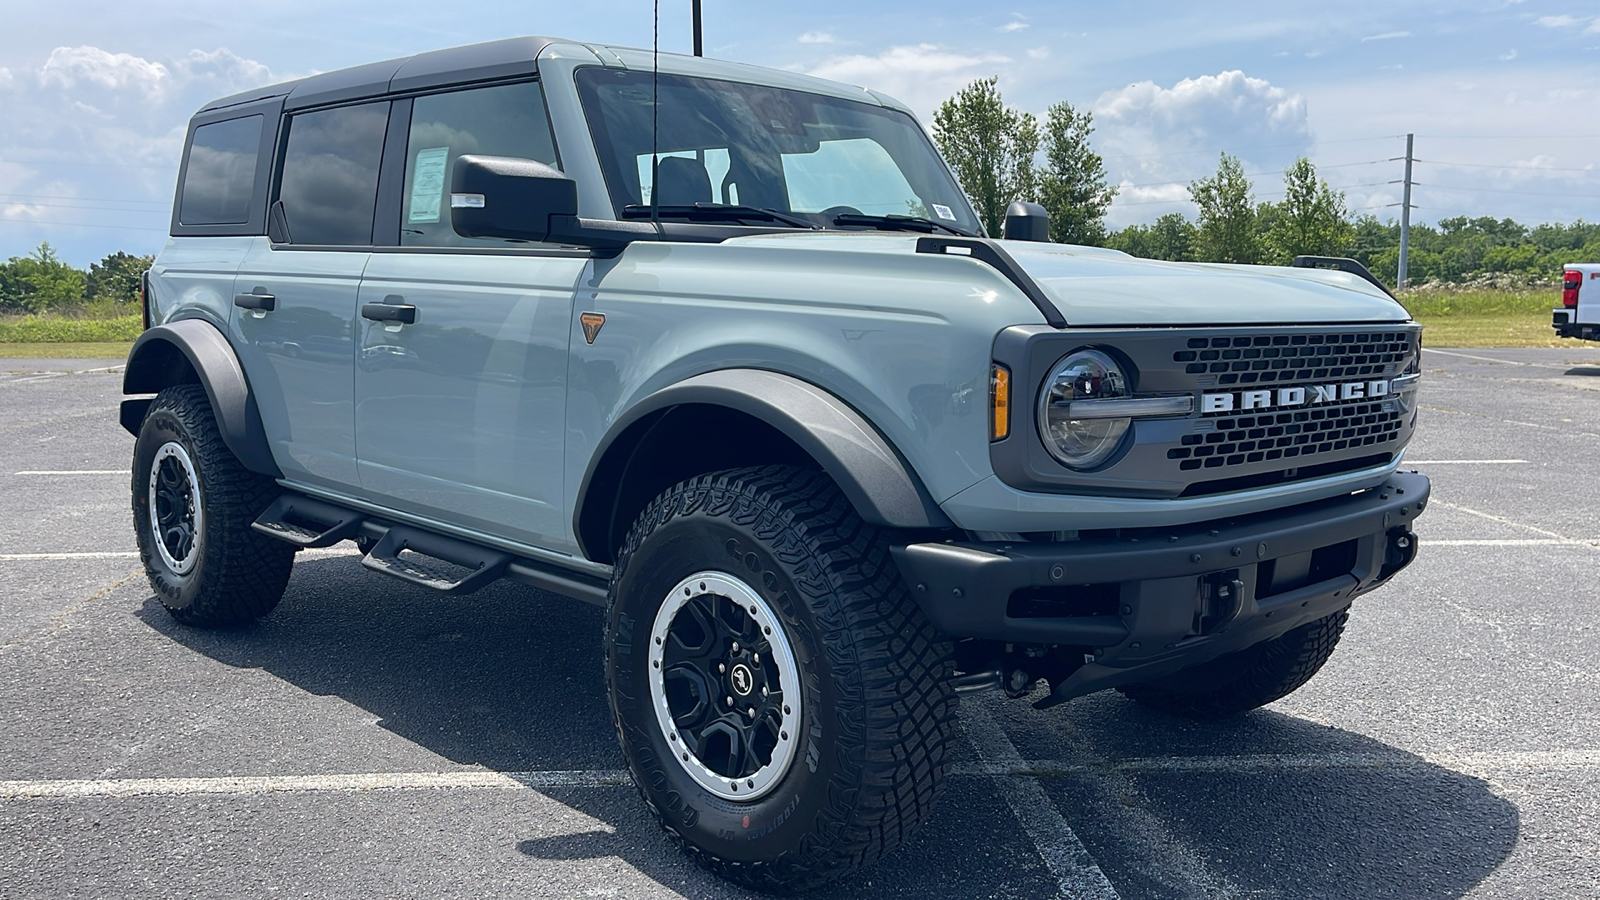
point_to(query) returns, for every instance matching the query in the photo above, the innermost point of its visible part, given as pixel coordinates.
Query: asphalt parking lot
(369, 740)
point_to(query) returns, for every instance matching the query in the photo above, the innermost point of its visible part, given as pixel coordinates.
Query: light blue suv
(723, 350)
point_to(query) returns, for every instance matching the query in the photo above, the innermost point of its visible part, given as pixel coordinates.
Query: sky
(1502, 95)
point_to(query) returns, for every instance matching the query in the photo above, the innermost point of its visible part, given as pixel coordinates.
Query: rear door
(295, 294)
(460, 411)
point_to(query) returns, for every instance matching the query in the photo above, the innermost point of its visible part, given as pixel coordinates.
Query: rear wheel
(193, 503)
(1242, 681)
(783, 705)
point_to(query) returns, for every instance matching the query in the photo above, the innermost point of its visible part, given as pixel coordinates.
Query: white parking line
(1017, 771)
(1506, 362)
(1077, 874)
(1512, 542)
(1505, 521)
(97, 554)
(72, 472)
(1446, 462)
(325, 552)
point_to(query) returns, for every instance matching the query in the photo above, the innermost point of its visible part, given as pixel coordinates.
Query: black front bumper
(1146, 603)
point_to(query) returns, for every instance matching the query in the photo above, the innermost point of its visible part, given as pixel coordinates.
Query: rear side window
(329, 185)
(504, 120)
(221, 173)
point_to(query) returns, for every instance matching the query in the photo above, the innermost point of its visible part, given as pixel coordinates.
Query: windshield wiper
(896, 223)
(716, 212)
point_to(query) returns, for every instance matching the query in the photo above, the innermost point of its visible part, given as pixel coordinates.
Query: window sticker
(427, 184)
(944, 212)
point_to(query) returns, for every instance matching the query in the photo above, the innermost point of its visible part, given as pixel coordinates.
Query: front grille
(1260, 440)
(1224, 450)
(1279, 358)
(1240, 439)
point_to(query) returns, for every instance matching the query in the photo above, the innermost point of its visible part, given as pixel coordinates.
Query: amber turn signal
(999, 402)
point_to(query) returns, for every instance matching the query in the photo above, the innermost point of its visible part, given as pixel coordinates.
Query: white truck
(1579, 313)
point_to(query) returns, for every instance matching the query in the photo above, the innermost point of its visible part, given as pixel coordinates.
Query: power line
(1436, 162)
(117, 209)
(1475, 190)
(79, 225)
(25, 197)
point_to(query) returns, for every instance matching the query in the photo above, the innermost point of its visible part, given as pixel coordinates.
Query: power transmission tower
(1405, 217)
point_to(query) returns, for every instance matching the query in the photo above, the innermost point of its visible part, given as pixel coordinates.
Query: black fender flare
(157, 361)
(873, 476)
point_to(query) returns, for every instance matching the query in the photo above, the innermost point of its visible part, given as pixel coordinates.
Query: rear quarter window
(220, 176)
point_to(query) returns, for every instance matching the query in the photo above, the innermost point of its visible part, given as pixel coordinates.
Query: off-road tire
(238, 575)
(1239, 682)
(878, 711)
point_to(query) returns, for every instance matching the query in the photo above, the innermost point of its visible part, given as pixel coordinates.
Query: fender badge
(591, 325)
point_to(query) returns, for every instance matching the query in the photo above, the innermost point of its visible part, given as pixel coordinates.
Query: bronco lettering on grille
(1280, 398)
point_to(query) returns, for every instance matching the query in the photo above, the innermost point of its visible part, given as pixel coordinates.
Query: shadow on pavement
(510, 679)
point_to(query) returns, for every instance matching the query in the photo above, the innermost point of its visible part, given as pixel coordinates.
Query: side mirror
(1027, 222)
(504, 197)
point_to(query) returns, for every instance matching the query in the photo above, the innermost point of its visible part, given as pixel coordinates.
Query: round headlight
(1085, 442)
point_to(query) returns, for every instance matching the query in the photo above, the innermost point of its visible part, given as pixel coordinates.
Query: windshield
(725, 142)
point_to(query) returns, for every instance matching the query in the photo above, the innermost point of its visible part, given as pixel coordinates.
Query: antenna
(655, 120)
(699, 46)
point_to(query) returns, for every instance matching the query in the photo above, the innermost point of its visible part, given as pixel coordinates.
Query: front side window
(221, 175)
(805, 155)
(504, 120)
(329, 186)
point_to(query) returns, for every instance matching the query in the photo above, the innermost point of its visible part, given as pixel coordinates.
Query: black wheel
(1242, 681)
(192, 507)
(783, 705)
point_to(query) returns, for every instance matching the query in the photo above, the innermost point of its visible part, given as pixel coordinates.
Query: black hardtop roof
(437, 68)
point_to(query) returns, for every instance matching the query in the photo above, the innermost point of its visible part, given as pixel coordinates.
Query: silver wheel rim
(761, 706)
(176, 518)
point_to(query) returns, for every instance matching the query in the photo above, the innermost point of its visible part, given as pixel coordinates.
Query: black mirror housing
(509, 198)
(1027, 222)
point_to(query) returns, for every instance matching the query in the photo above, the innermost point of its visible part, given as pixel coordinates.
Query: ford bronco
(724, 350)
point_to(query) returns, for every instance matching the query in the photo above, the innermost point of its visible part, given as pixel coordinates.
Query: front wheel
(1252, 677)
(784, 707)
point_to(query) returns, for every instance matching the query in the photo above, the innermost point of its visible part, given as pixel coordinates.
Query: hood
(1097, 288)
(1094, 288)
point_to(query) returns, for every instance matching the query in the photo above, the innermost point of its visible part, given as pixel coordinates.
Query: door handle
(403, 313)
(262, 302)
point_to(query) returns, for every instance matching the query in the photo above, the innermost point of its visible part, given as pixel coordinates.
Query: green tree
(1171, 237)
(1312, 218)
(116, 277)
(1072, 184)
(990, 147)
(40, 281)
(1226, 230)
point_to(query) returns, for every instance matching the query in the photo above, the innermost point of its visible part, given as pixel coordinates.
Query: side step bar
(423, 550)
(415, 555)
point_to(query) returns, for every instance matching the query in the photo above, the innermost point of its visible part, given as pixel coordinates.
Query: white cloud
(921, 76)
(1038, 52)
(1386, 36)
(1157, 139)
(6, 78)
(1012, 26)
(1508, 56)
(68, 67)
(816, 37)
(1555, 21)
(1594, 27)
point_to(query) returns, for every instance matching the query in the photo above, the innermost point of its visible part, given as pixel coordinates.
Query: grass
(66, 350)
(1464, 317)
(53, 329)
(1483, 317)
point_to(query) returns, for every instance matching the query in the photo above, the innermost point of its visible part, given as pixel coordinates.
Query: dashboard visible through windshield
(810, 159)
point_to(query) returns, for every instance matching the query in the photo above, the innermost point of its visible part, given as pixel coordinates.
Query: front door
(461, 363)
